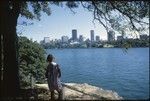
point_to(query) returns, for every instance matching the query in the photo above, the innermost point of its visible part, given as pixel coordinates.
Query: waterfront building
(46, 39)
(97, 38)
(119, 38)
(144, 37)
(81, 38)
(74, 35)
(108, 46)
(65, 39)
(111, 36)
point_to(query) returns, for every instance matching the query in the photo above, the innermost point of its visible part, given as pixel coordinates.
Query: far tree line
(126, 43)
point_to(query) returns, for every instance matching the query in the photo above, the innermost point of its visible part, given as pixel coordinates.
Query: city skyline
(60, 23)
(79, 38)
(74, 37)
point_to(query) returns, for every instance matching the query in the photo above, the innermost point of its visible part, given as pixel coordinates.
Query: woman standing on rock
(53, 75)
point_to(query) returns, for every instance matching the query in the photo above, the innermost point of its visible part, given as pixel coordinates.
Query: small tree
(31, 62)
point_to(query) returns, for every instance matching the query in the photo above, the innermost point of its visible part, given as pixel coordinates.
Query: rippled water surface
(127, 73)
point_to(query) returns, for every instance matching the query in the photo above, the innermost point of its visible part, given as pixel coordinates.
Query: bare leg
(60, 94)
(52, 95)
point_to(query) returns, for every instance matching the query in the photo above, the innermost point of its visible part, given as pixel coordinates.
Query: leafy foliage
(31, 61)
(128, 43)
(32, 10)
(120, 16)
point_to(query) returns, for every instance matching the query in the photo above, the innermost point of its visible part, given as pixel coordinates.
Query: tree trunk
(1, 61)
(10, 83)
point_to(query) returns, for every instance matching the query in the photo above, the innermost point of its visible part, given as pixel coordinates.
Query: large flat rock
(75, 91)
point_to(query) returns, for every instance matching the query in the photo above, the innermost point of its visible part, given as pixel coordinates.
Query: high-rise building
(97, 38)
(111, 36)
(74, 35)
(64, 39)
(46, 40)
(81, 38)
(92, 35)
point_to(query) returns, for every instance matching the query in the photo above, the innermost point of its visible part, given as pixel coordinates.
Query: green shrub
(32, 62)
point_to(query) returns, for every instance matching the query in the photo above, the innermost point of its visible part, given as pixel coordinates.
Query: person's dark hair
(50, 58)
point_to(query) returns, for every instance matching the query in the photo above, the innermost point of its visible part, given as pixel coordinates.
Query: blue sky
(61, 22)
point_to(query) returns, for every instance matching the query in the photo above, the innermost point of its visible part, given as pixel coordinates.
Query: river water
(125, 72)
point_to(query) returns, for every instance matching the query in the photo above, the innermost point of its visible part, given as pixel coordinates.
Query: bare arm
(46, 73)
(59, 71)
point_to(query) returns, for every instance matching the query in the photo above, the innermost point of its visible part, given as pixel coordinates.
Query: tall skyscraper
(111, 36)
(74, 35)
(92, 35)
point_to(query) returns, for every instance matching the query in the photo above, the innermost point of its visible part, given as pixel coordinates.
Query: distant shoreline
(98, 48)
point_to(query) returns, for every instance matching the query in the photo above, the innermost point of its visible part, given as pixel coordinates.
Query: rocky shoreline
(75, 91)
